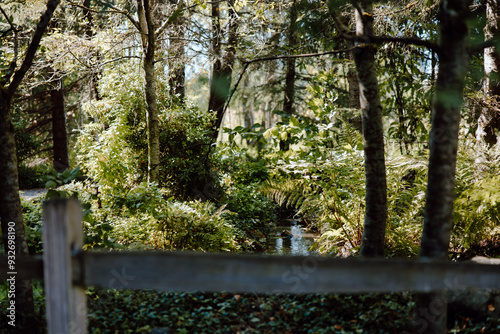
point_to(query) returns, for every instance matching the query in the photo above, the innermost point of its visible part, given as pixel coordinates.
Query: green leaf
(50, 184)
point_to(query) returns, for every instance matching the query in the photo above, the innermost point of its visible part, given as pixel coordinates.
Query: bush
(30, 177)
(196, 226)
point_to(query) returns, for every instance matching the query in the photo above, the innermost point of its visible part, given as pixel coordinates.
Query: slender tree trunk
(89, 33)
(438, 216)
(353, 117)
(373, 137)
(59, 135)
(149, 47)
(489, 121)
(176, 55)
(222, 69)
(288, 102)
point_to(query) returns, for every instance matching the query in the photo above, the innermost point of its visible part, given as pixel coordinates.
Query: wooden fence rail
(67, 271)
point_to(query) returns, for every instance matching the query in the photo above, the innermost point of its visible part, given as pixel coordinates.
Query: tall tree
(290, 73)
(176, 55)
(222, 69)
(290, 62)
(148, 38)
(10, 203)
(489, 120)
(373, 136)
(59, 134)
(438, 216)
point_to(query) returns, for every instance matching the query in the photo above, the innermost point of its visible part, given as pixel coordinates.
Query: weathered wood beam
(183, 271)
(27, 267)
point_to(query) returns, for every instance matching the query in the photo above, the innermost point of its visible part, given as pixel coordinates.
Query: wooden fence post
(62, 235)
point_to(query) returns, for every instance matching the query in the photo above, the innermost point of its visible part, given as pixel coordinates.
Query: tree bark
(10, 203)
(288, 102)
(176, 54)
(290, 62)
(373, 137)
(438, 216)
(59, 135)
(489, 120)
(222, 69)
(145, 15)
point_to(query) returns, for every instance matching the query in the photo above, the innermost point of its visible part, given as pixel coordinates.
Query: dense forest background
(202, 125)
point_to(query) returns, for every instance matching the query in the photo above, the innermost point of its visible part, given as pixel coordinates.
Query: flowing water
(293, 240)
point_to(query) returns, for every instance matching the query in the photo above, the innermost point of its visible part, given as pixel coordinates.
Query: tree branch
(33, 46)
(13, 63)
(172, 17)
(115, 10)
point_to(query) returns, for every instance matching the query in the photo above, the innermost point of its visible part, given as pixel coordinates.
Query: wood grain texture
(181, 271)
(62, 234)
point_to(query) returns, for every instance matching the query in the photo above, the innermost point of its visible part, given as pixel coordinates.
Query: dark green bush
(30, 177)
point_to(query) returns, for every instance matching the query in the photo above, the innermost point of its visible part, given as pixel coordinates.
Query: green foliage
(252, 213)
(196, 226)
(30, 177)
(140, 311)
(113, 148)
(54, 179)
(33, 224)
(477, 204)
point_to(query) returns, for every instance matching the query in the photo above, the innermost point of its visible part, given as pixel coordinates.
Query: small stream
(293, 240)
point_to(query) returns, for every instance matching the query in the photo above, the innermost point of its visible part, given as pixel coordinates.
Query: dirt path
(32, 193)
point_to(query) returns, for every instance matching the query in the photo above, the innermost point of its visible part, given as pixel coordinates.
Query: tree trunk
(373, 137)
(438, 216)
(222, 69)
(10, 212)
(290, 62)
(10, 203)
(149, 47)
(489, 121)
(89, 33)
(59, 135)
(176, 54)
(288, 102)
(353, 116)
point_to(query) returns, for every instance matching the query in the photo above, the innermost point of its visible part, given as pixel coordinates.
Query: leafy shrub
(196, 226)
(33, 223)
(113, 149)
(30, 177)
(252, 214)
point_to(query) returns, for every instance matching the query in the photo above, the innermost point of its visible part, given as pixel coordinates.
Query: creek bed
(293, 239)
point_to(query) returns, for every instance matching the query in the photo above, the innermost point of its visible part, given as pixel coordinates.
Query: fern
(296, 193)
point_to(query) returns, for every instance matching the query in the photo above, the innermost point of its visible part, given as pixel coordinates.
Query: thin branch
(248, 62)
(33, 46)
(169, 20)
(115, 11)
(408, 6)
(304, 55)
(404, 40)
(13, 63)
(492, 42)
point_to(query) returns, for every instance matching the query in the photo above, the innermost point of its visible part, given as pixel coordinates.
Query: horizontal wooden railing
(67, 271)
(185, 271)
